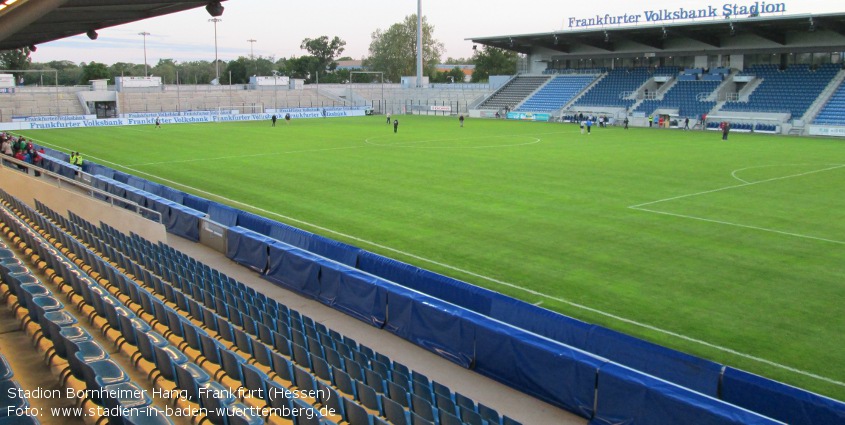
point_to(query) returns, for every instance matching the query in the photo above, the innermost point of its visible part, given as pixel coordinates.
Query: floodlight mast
(419, 44)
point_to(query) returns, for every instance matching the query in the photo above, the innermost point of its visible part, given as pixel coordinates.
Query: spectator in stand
(21, 156)
(6, 147)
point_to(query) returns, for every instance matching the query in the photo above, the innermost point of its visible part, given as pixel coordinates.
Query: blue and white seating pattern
(556, 93)
(791, 91)
(833, 112)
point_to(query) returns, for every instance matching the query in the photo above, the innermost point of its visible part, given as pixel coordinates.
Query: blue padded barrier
(438, 286)
(248, 248)
(183, 221)
(337, 251)
(135, 182)
(779, 401)
(626, 396)
(290, 235)
(294, 268)
(683, 369)
(121, 176)
(254, 222)
(539, 320)
(174, 195)
(545, 369)
(135, 195)
(442, 328)
(353, 292)
(322, 246)
(195, 202)
(152, 187)
(225, 215)
(59, 167)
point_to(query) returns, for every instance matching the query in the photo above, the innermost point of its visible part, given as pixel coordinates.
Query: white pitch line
(507, 284)
(689, 195)
(745, 226)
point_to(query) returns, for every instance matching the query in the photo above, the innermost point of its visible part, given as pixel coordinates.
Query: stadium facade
(749, 65)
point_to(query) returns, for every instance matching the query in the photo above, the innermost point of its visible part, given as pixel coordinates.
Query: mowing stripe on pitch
(511, 285)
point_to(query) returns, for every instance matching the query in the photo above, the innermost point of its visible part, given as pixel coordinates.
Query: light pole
(145, 34)
(419, 44)
(251, 42)
(216, 62)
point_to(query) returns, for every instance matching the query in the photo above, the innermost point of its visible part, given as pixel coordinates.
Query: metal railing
(63, 182)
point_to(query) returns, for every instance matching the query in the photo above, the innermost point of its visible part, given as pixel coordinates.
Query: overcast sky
(280, 26)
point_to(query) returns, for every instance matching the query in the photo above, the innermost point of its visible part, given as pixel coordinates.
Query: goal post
(224, 110)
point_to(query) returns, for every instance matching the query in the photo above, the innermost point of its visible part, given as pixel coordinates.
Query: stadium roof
(31, 22)
(783, 34)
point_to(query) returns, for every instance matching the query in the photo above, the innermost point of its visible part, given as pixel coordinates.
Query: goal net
(223, 111)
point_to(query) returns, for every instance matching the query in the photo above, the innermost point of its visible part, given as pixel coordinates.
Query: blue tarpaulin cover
(247, 248)
(779, 401)
(626, 396)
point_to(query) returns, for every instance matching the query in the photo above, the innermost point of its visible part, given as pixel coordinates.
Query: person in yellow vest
(72, 159)
(79, 160)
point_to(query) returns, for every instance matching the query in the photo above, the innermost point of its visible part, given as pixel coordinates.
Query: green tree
(394, 51)
(196, 72)
(302, 67)
(122, 69)
(15, 59)
(457, 75)
(493, 61)
(94, 71)
(166, 69)
(68, 72)
(324, 50)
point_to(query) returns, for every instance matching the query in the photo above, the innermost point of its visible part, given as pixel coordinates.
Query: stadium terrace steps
(514, 92)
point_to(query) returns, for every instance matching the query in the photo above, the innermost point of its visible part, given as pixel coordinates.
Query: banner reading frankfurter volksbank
(725, 10)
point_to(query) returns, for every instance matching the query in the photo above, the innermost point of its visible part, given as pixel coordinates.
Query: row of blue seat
(297, 351)
(13, 402)
(108, 385)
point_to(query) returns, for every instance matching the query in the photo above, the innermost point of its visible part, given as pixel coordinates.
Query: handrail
(88, 189)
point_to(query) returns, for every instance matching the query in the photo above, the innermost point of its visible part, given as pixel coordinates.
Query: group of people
(20, 149)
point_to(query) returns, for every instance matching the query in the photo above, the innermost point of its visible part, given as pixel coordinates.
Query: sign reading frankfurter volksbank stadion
(726, 10)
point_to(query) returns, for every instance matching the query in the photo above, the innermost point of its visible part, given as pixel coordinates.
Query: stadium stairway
(181, 322)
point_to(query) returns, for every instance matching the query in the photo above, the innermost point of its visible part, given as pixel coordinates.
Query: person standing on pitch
(388, 118)
(686, 123)
(589, 124)
(395, 126)
(626, 123)
(461, 119)
(273, 119)
(726, 128)
(158, 123)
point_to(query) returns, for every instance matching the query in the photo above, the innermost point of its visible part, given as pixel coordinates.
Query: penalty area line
(502, 282)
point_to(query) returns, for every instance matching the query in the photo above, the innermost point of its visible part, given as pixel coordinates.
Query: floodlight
(214, 9)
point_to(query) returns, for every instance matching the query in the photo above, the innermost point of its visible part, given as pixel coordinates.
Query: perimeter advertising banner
(528, 116)
(149, 119)
(822, 130)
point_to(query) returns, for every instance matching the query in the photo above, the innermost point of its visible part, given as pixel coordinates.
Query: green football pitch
(733, 251)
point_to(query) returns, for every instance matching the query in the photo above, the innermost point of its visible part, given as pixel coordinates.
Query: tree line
(392, 51)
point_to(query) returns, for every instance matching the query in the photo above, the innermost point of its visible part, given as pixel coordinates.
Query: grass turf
(739, 244)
